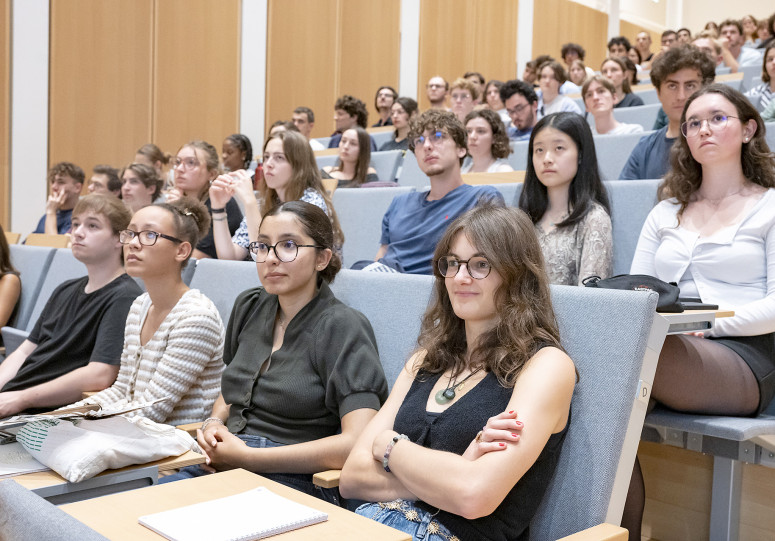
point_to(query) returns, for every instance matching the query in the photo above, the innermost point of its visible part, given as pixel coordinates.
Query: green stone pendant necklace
(448, 395)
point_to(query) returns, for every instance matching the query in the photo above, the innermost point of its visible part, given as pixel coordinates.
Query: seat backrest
(360, 215)
(386, 163)
(64, 266)
(33, 263)
(327, 161)
(518, 157)
(382, 137)
(410, 173)
(323, 141)
(394, 304)
(648, 96)
(645, 115)
(609, 336)
(613, 151)
(631, 201)
(749, 72)
(770, 127)
(28, 517)
(222, 281)
(510, 191)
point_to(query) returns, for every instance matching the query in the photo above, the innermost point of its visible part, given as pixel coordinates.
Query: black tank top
(453, 430)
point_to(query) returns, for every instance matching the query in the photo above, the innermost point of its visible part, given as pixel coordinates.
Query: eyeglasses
(477, 267)
(691, 128)
(385, 95)
(460, 96)
(518, 109)
(434, 85)
(146, 238)
(285, 250)
(186, 163)
(434, 138)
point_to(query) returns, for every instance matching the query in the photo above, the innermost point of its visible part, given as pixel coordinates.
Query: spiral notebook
(254, 514)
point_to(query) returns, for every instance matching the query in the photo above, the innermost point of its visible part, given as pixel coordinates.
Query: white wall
(647, 13)
(698, 12)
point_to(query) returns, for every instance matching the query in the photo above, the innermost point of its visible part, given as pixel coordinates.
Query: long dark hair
(756, 158)
(5, 255)
(585, 188)
(523, 305)
(317, 226)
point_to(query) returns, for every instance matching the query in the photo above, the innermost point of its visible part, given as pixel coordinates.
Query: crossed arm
(475, 485)
(224, 450)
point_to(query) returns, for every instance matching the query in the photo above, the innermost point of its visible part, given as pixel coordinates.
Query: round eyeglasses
(434, 138)
(285, 250)
(692, 127)
(477, 267)
(146, 238)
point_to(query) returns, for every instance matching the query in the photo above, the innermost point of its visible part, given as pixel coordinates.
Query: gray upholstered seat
(360, 215)
(386, 163)
(221, 281)
(410, 173)
(613, 151)
(32, 262)
(631, 201)
(645, 115)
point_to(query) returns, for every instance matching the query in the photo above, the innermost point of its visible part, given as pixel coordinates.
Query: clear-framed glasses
(385, 95)
(460, 96)
(285, 250)
(692, 127)
(518, 109)
(146, 238)
(435, 138)
(477, 267)
(185, 163)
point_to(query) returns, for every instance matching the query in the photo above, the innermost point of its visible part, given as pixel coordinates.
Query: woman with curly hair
(715, 237)
(488, 144)
(489, 347)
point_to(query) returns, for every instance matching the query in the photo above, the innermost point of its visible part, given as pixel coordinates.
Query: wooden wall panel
(5, 112)
(457, 36)
(196, 71)
(301, 61)
(561, 21)
(369, 48)
(100, 81)
(631, 31)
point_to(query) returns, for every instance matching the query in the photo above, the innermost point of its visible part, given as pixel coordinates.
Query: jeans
(405, 516)
(300, 481)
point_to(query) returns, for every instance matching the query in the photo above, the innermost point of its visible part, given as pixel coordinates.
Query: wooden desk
(694, 320)
(53, 487)
(115, 516)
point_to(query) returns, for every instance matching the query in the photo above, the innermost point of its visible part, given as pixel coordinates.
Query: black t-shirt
(234, 218)
(76, 328)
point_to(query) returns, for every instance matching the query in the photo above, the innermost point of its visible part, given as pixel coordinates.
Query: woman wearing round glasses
(290, 174)
(196, 166)
(173, 341)
(303, 376)
(489, 347)
(715, 237)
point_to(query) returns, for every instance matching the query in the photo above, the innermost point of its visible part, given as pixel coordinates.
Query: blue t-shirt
(517, 134)
(64, 222)
(412, 225)
(650, 158)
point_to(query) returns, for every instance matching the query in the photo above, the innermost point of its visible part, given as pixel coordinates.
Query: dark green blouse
(327, 367)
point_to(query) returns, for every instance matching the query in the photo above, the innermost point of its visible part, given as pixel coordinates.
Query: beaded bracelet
(211, 420)
(389, 450)
(218, 211)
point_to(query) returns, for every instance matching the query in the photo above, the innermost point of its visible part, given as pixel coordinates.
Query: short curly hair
(573, 47)
(436, 120)
(682, 57)
(68, 169)
(353, 107)
(500, 140)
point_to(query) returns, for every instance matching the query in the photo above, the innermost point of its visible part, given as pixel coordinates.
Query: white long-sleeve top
(734, 267)
(183, 360)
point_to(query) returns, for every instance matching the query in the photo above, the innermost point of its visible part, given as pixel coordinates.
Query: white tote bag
(80, 449)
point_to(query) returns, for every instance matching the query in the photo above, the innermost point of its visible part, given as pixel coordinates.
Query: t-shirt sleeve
(110, 335)
(490, 196)
(346, 354)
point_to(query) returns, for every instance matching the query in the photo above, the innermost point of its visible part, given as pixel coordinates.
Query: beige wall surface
(578, 24)
(5, 66)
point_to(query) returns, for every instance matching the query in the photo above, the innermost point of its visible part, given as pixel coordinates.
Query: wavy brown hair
(500, 140)
(526, 320)
(305, 175)
(756, 158)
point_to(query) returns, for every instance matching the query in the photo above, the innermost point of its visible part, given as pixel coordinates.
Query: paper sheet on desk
(15, 460)
(91, 411)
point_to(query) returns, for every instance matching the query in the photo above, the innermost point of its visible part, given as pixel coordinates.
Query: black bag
(668, 292)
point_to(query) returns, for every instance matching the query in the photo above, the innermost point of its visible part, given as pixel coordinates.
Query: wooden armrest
(327, 479)
(190, 428)
(601, 532)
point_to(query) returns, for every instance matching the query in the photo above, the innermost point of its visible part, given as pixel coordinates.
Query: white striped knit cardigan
(182, 360)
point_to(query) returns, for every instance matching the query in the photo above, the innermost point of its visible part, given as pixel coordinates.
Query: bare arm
(227, 450)
(55, 200)
(65, 389)
(381, 252)
(10, 366)
(10, 289)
